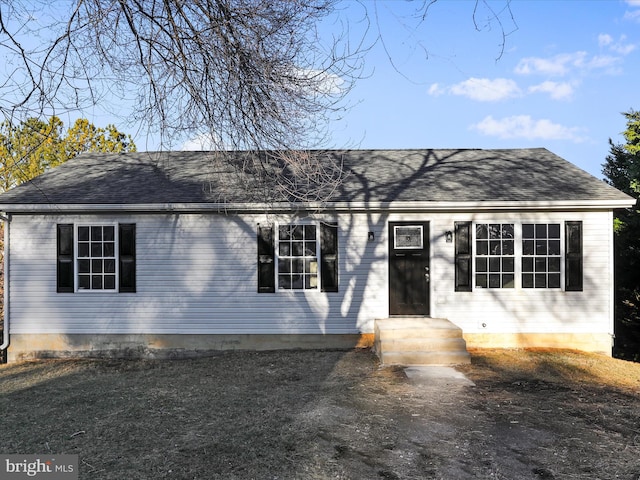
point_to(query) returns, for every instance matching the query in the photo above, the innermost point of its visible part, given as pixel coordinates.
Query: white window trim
(277, 226)
(116, 247)
(517, 254)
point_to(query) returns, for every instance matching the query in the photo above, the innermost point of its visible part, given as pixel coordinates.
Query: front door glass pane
(408, 236)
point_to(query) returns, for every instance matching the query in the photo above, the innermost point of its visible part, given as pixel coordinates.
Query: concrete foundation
(587, 342)
(28, 346)
(31, 346)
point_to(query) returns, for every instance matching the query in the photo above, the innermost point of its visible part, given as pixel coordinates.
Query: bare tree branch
(496, 16)
(484, 15)
(253, 75)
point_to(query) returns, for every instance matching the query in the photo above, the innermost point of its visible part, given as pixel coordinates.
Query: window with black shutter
(538, 262)
(96, 258)
(298, 257)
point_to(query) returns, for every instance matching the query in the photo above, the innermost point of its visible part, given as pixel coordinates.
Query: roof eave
(610, 204)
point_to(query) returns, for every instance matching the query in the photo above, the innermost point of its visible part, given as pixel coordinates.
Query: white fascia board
(319, 206)
(480, 206)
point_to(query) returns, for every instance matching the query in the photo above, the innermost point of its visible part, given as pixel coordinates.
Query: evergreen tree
(34, 146)
(622, 170)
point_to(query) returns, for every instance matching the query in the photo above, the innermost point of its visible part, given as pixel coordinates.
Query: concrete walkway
(437, 375)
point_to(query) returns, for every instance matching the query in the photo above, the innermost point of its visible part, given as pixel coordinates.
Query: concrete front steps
(419, 341)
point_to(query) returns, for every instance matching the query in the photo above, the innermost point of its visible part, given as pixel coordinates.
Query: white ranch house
(141, 254)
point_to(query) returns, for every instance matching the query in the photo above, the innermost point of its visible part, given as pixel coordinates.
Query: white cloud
(435, 90)
(624, 49)
(621, 47)
(202, 142)
(320, 81)
(523, 126)
(605, 39)
(602, 62)
(557, 91)
(633, 15)
(566, 63)
(557, 66)
(480, 89)
(487, 90)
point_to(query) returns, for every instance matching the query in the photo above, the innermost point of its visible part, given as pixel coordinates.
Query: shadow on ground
(316, 415)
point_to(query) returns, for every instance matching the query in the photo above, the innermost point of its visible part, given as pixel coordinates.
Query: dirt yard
(328, 414)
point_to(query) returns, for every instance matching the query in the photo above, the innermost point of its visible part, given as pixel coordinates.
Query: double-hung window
(495, 255)
(298, 256)
(96, 257)
(541, 255)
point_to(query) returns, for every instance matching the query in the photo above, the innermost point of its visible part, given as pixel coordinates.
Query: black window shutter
(573, 257)
(65, 270)
(127, 260)
(329, 256)
(463, 257)
(266, 263)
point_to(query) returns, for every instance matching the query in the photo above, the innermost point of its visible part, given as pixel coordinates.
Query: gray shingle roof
(376, 176)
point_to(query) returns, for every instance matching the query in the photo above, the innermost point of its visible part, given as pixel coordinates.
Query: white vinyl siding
(197, 273)
(531, 310)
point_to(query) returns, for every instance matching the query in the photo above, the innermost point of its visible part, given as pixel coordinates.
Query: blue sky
(566, 72)
(559, 79)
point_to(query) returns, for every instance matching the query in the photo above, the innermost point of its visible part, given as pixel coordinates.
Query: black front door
(409, 268)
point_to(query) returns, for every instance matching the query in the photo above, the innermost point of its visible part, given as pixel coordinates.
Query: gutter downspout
(612, 283)
(5, 332)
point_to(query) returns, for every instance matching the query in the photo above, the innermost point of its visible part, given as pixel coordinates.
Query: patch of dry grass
(555, 365)
(234, 415)
(327, 414)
